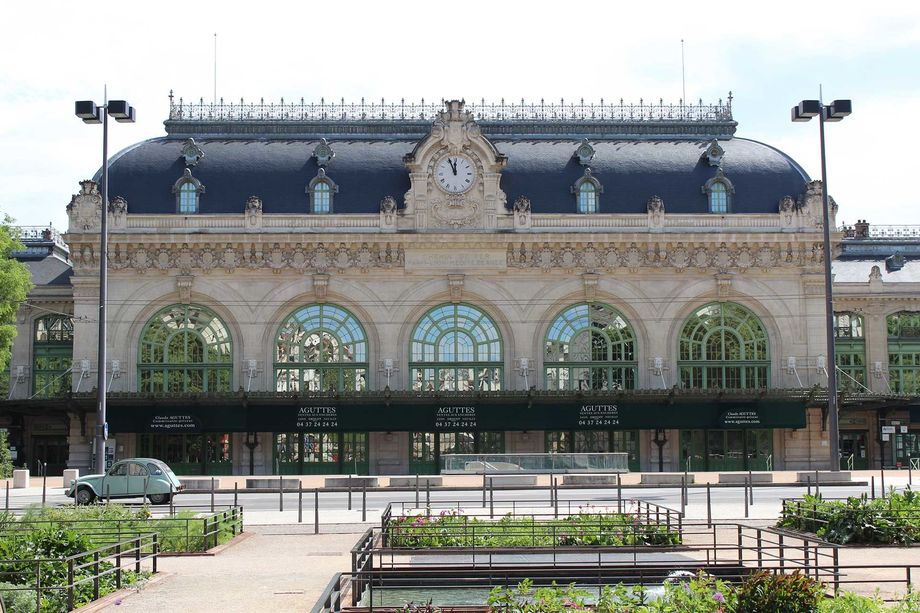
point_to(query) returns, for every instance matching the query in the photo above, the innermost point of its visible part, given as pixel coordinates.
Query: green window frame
(52, 356)
(589, 346)
(723, 345)
(321, 347)
(185, 348)
(456, 347)
(850, 351)
(904, 352)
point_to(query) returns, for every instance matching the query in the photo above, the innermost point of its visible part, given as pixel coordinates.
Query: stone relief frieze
(342, 257)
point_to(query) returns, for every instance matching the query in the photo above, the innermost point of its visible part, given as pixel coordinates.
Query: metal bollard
(44, 482)
(910, 472)
(172, 499)
(619, 495)
(751, 486)
(491, 499)
(299, 501)
(872, 480)
(364, 503)
(883, 483)
(349, 492)
(683, 501)
(236, 494)
(315, 510)
(746, 505)
(817, 483)
(212, 494)
(108, 493)
(556, 505)
(709, 504)
(483, 488)
(808, 480)
(417, 487)
(280, 494)
(8, 496)
(428, 495)
(146, 485)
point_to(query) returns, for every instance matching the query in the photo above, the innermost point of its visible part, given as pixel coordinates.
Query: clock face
(454, 174)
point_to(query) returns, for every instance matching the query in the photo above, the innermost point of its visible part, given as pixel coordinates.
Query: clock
(454, 174)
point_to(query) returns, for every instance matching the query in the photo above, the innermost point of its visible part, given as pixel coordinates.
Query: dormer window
(587, 192)
(322, 190)
(719, 190)
(187, 191)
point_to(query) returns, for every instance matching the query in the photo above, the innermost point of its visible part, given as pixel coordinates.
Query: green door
(759, 449)
(354, 453)
(626, 441)
(693, 450)
(190, 454)
(422, 452)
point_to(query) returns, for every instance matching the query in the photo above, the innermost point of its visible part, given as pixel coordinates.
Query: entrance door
(854, 449)
(734, 450)
(422, 452)
(759, 449)
(190, 454)
(52, 450)
(354, 453)
(626, 441)
(693, 450)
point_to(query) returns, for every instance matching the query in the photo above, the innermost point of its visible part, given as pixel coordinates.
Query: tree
(15, 283)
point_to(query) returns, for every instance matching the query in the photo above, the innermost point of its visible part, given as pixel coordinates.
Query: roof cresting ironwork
(341, 111)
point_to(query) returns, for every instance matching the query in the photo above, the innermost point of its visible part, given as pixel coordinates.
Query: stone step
(739, 478)
(595, 479)
(824, 476)
(665, 478)
(356, 483)
(422, 481)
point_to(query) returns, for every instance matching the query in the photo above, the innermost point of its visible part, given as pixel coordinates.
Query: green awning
(478, 414)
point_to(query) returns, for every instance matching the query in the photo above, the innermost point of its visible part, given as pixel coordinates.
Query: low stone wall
(665, 478)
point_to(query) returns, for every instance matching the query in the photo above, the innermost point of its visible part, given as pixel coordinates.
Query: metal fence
(64, 577)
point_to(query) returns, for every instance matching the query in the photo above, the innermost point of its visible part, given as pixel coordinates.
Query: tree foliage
(15, 283)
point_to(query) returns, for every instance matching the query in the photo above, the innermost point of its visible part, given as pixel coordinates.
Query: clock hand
(453, 165)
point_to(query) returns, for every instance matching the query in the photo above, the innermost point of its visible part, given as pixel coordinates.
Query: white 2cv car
(131, 478)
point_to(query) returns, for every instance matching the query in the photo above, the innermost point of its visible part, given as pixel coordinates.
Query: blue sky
(770, 55)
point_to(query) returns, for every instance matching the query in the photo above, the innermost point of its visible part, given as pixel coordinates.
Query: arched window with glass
(454, 347)
(322, 190)
(590, 346)
(850, 351)
(723, 345)
(188, 192)
(52, 356)
(718, 198)
(187, 348)
(321, 347)
(904, 352)
(587, 198)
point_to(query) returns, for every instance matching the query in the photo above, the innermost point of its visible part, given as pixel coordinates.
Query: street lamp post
(835, 111)
(122, 112)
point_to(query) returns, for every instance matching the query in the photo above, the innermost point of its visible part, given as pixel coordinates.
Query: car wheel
(159, 498)
(84, 496)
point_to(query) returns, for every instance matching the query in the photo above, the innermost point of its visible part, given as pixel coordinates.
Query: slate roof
(278, 171)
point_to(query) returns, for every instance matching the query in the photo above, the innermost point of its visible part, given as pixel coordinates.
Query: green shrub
(765, 592)
(891, 520)
(848, 602)
(6, 457)
(17, 598)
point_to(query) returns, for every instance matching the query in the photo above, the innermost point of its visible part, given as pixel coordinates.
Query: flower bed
(585, 529)
(886, 521)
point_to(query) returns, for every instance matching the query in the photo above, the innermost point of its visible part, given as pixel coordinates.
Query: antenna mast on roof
(214, 100)
(683, 73)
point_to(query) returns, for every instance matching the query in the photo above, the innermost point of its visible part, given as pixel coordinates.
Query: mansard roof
(269, 153)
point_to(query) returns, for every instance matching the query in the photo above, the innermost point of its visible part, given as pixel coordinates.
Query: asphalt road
(767, 500)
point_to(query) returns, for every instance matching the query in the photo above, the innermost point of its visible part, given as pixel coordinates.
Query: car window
(137, 470)
(119, 470)
(154, 469)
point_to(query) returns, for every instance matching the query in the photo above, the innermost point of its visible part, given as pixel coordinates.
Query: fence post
(751, 486)
(744, 492)
(8, 496)
(146, 485)
(883, 483)
(817, 483)
(172, 510)
(95, 577)
(137, 555)
(44, 482)
(759, 548)
(872, 479)
(417, 487)
(483, 487)
(619, 495)
(428, 495)
(364, 502)
(236, 493)
(709, 504)
(118, 565)
(683, 501)
(108, 495)
(38, 583)
(315, 510)
(212, 494)
(740, 550)
(299, 501)
(204, 533)
(349, 492)
(808, 481)
(491, 499)
(556, 506)
(70, 585)
(156, 551)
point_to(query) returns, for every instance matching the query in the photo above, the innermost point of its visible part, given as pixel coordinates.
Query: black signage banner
(478, 414)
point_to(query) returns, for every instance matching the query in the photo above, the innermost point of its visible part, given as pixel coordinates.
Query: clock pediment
(455, 173)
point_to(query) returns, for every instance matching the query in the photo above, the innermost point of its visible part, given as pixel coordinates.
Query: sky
(769, 55)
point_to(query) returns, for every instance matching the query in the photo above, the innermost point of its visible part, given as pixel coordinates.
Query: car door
(137, 475)
(115, 482)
